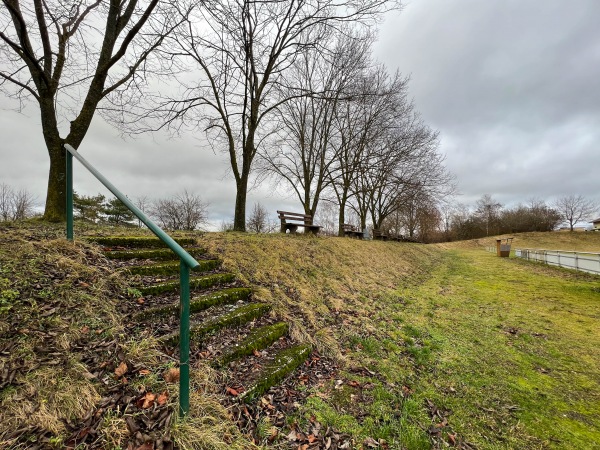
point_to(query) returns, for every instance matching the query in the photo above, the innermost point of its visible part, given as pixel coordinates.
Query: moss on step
(171, 268)
(136, 241)
(257, 340)
(158, 254)
(222, 297)
(195, 283)
(238, 316)
(284, 363)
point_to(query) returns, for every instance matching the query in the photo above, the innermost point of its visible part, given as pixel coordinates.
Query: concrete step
(235, 317)
(284, 363)
(197, 304)
(258, 339)
(137, 241)
(195, 283)
(171, 268)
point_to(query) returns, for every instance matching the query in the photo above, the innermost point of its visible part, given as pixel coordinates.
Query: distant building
(596, 224)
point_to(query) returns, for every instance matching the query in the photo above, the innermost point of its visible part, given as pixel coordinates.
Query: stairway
(228, 328)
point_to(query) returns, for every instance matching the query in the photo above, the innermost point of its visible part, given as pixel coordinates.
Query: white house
(596, 224)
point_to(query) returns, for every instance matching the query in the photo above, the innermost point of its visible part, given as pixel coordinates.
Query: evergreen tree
(88, 208)
(117, 213)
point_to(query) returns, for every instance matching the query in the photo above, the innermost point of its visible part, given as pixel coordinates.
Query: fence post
(69, 189)
(184, 339)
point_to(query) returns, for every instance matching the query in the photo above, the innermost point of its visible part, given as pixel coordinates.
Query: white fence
(584, 261)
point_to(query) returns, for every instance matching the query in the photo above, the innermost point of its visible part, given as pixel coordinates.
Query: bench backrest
(285, 216)
(348, 227)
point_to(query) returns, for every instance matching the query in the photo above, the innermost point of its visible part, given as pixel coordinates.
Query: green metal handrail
(187, 262)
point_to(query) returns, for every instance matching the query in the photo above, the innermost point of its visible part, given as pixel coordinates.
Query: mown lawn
(481, 352)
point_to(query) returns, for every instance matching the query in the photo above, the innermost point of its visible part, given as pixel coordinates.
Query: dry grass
(208, 426)
(51, 290)
(48, 396)
(576, 241)
(308, 279)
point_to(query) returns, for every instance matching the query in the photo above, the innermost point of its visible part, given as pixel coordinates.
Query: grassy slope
(577, 241)
(310, 279)
(511, 348)
(58, 307)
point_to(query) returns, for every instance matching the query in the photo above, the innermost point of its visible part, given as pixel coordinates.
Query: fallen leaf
(144, 372)
(141, 301)
(256, 353)
(353, 383)
(171, 375)
(311, 438)
(371, 443)
(148, 400)
(121, 369)
(452, 438)
(162, 398)
(146, 446)
(232, 391)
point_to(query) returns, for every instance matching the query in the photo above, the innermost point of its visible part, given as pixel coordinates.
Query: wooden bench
(379, 235)
(291, 221)
(382, 236)
(352, 231)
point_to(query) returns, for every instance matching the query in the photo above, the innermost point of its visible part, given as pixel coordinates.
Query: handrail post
(69, 188)
(184, 340)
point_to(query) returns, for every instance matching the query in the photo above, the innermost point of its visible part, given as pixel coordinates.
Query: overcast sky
(513, 86)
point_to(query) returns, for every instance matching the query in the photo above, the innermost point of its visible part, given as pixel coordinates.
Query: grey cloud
(513, 88)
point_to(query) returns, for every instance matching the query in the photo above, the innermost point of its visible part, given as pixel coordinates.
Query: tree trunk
(239, 219)
(342, 215)
(56, 200)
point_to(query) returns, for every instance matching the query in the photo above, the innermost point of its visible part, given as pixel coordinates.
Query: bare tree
(144, 204)
(304, 152)
(226, 226)
(22, 202)
(403, 167)
(363, 122)
(6, 194)
(258, 221)
(327, 217)
(15, 205)
(184, 211)
(70, 55)
(488, 210)
(242, 49)
(574, 208)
